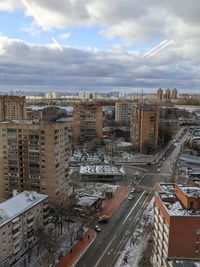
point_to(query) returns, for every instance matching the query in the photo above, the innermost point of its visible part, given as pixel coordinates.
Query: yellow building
(144, 127)
(34, 156)
(12, 107)
(87, 123)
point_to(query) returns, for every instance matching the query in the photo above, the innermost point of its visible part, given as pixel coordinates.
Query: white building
(19, 218)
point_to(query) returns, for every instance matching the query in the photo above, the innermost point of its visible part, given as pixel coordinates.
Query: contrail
(34, 14)
(155, 52)
(154, 48)
(57, 44)
(37, 18)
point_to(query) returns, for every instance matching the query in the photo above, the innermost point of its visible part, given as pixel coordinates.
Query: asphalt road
(107, 247)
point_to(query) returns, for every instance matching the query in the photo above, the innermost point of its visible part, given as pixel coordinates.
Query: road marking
(105, 251)
(133, 207)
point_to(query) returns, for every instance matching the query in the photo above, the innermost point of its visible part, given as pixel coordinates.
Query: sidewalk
(111, 204)
(77, 250)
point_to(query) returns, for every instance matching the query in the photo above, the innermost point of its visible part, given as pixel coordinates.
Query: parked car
(103, 218)
(130, 197)
(97, 228)
(158, 170)
(138, 190)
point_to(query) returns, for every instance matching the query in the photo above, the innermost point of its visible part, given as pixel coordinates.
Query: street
(106, 249)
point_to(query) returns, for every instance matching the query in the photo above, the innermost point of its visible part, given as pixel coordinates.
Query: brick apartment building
(144, 126)
(19, 218)
(176, 223)
(87, 123)
(34, 156)
(12, 107)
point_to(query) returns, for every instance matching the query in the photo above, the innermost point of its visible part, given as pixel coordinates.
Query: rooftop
(190, 158)
(191, 191)
(173, 205)
(31, 122)
(87, 200)
(102, 169)
(16, 205)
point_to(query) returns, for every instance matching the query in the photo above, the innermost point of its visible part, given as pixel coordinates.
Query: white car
(97, 228)
(158, 170)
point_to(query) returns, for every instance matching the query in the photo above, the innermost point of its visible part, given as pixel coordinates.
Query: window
(197, 249)
(198, 231)
(197, 239)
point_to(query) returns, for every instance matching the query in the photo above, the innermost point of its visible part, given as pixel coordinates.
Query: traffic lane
(109, 230)
(117, 241)
(124, 235)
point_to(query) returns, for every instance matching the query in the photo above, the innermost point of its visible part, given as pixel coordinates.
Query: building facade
(12, 107)
(87, 123)
(176, 223)
(20, 216)
(34, 156)
(123, 112)
(144, 127)
(159, 94)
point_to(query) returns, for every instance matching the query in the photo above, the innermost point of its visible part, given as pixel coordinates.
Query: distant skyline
(99, 45)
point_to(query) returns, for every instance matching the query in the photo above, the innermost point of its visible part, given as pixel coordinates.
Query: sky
(100, 45)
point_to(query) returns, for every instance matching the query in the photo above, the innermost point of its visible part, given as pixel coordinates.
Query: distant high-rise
(12, 107)
(87, 123)
(167, 94)
(144, 127)
(159, 94)
(123, 111)
(174, 93)
(34, 156)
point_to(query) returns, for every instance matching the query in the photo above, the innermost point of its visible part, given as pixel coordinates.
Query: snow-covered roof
(87, 201)
(174, 207)
(169, 187)
(191, 191)
(102, 169)
(190, 158)
(18, 204)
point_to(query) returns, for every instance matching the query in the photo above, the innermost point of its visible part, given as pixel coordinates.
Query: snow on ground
(95, 189)
(136, 245)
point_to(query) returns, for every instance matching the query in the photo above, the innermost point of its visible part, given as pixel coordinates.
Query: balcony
(16, 234)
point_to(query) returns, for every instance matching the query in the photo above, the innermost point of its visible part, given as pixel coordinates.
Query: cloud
(24, 65)
(65, 35)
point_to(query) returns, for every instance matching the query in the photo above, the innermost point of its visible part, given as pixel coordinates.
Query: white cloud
(65, 35)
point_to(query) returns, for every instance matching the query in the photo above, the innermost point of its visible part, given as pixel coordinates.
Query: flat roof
(173, 205)
(16, 205)
(190, 158)
(87, 200)
(191, 191)
(102, 169)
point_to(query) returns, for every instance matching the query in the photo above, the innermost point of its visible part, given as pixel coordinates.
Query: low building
(88, 203)
(19, 218)
(101, 173)
(176, 224)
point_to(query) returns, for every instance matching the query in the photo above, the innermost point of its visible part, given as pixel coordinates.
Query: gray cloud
(135, 22)
(25, 65)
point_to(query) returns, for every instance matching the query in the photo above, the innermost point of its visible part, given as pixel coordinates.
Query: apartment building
(12, 107)
(144, 127)
(123, 110)
(19, 218)
(34, 156)
(167, 94)
(87, 123)
(174, 93)
(176, 224)
(159, 94)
